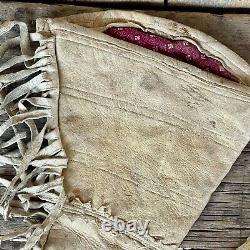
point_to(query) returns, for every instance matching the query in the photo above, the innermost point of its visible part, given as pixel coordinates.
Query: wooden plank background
(210, 3)
(225, 222)
(224, 4)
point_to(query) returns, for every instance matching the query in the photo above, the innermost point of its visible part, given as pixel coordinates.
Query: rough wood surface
(211, 3)
(224, 4)
(225, 222)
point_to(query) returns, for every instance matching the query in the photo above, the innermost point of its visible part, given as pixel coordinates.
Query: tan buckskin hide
(147, 137)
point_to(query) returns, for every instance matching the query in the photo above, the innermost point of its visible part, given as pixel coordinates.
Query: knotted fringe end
(30, 143)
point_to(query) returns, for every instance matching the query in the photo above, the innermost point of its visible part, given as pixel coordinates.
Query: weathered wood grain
(225, 222)
(211, 3)
(224, 4)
